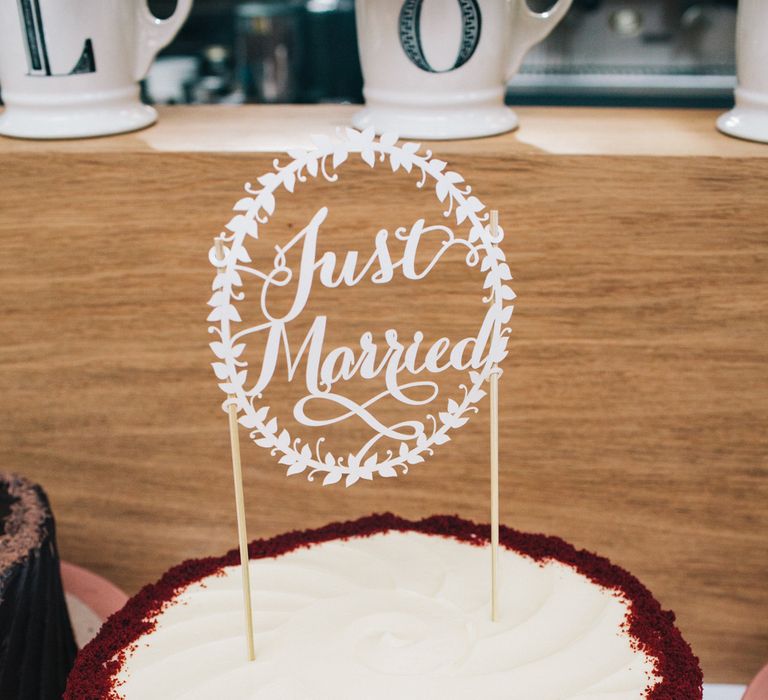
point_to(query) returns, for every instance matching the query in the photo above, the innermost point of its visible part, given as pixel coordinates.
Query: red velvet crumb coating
(651, 629)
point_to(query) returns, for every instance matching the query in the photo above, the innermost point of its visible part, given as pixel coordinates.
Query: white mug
(749, 118)
(71, 68)
(438, 69)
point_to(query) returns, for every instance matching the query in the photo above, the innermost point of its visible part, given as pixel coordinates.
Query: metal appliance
(634, 52)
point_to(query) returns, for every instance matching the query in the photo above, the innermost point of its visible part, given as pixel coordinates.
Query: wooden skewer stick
(237, 473)
(494, 395)
(494, 418)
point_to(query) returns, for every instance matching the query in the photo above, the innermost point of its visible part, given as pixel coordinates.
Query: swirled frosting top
(393, 614)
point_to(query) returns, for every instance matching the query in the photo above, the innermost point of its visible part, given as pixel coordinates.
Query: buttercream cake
(384, 608)
(37, 646)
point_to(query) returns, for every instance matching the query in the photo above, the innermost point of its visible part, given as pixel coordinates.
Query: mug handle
(529, 28)
(153, 33)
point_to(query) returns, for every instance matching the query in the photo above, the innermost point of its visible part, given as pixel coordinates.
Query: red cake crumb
(651, 629)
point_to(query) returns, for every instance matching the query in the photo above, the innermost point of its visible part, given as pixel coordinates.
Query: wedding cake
(384, 608)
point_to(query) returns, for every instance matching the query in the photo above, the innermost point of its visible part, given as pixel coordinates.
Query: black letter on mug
(37, 53)
(410, 33)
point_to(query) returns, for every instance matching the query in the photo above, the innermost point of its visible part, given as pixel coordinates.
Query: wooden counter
(634, 405)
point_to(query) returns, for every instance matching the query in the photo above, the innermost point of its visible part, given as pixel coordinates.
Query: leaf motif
(271, 180)
(352, 478)
(283, 440)
(296, 468)
(230, 312)
(368, 156)
(440, 438)
(312, 167)
(476, 233)
(271, 427)
(242, 255)
(437, 166)
(453, 178)
(497, 253)
(476, 395)
(242, 224)
(387, 471)
(243, 204)
(267, 201)
(388, 139)
(507, 293)
(471, 205)
(216, 314)
(218, 349)
(248, 421)
(332, 477)
(220, 370)
(237, 350)
(218, 298)
(339, 156)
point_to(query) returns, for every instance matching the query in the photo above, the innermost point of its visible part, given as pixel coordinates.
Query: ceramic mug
(749, 118)
(71, 69)
(439, 68)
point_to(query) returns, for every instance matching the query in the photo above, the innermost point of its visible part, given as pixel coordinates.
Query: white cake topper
(386, 356)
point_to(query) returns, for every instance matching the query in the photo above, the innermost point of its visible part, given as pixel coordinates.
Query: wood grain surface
(634, 401)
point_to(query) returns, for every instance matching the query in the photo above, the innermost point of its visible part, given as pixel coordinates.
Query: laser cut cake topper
(380, 352)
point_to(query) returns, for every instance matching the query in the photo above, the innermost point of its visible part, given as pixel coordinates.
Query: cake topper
(408, 366)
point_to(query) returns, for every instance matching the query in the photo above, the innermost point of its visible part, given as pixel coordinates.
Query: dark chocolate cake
(37, 647)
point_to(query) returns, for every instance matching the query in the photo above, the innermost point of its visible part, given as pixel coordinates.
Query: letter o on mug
(71, 69)
(438, 69)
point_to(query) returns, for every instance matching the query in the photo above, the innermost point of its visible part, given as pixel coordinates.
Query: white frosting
(393, 616)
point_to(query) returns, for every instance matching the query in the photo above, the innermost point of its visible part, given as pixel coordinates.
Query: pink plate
(101, 596)
(758, 688)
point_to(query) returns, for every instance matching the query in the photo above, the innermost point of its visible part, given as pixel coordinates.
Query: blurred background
(605, 52)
